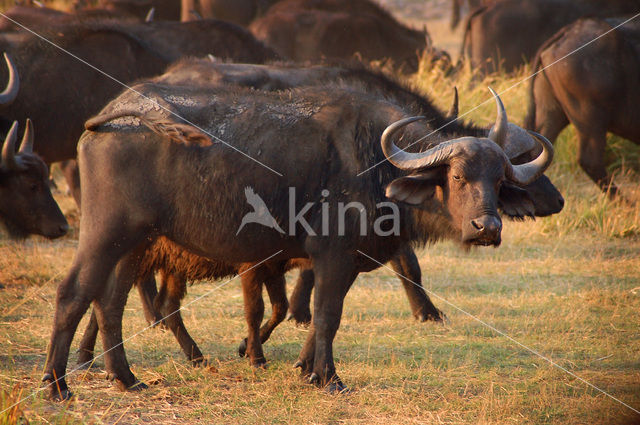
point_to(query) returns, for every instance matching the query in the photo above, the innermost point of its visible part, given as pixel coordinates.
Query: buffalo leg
(71, 174)
(254, 312)
(109, 309)
(85, 281)
(333, 280)
(88, 343)
(301, 297)
(591, 159)
(278, 297)
(148, 291)
(167, 303)
(405, 264)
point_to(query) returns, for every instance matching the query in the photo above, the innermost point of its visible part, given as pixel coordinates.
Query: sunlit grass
(567, 286)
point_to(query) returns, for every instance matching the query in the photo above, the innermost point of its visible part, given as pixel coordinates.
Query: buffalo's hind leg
(86, 281)
(109, 309)
(148, 291)
(405, 264)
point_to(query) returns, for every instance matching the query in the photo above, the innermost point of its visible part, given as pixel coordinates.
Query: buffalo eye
(33, 187)
(457, 177)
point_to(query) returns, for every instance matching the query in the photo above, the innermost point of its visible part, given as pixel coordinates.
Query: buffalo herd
(174, 122)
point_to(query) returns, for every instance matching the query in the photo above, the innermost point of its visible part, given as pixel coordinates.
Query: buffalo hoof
(430, 316)
(259, 363)
(136, 386)
(55, 392)
(306, 367)
(301, 318)
(336, 387)
(199, 362)
(242, 348)
(314, 379)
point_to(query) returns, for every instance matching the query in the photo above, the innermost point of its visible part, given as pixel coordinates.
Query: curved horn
(525, 174)
(9, 94)
(150, 15)
(452, 115)
(413, 161)
(26, 146)
(498, 132)
(9, 148)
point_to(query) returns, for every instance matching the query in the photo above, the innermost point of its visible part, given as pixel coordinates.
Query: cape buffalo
(494, 37)
(239, 12)
(26, 204)
(303, 30)
(545, 197)
(163, 10)
(317, 139)
(125, 52)
(596, 90)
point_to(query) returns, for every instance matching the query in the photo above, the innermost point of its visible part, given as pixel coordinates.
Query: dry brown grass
(567, 286)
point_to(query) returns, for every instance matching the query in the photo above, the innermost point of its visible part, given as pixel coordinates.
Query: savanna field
(565, 286)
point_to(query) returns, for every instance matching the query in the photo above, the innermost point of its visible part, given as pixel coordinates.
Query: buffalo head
(470, 177)
(26, 204)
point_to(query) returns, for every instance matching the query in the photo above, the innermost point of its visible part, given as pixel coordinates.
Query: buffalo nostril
(64, 228)
(561, 201)
(477, 225)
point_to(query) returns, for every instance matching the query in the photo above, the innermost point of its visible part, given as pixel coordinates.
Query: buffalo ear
(515, 202)
(413, 189)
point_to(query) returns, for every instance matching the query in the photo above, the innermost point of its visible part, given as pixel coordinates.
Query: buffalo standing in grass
(319, 139)
(126, 52)
(507, 34)
(595, 89)
(303, 30)
(545, 198)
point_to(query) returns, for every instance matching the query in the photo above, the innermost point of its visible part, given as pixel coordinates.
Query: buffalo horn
(498, 132)
(26, 145)
(413, 161)
(9, 148)
(9, 94)
(452, 115)
(524, 174)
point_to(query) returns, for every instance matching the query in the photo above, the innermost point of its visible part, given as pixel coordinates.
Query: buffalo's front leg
(278, 297)
(405, 264)
(253, 312)
(172, 291)
(301, 297)
(148, 292)
(333, 279)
